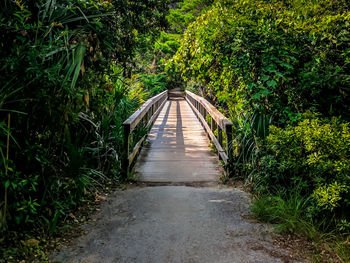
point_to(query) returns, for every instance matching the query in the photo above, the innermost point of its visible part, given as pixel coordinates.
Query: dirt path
(174, 224)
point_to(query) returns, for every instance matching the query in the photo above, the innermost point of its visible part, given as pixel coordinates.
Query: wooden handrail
(146, 114)
(218, 121)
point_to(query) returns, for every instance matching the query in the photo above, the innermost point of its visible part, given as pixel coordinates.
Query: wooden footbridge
(177, 149)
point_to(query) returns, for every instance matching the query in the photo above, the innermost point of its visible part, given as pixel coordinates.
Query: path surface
(175, 224)
(178, 149)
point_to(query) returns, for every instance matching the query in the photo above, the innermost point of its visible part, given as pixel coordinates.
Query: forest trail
(174, 222)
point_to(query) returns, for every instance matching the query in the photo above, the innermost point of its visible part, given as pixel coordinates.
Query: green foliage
(155, 83)
(313, 154)
(287, 211)
(186, 12)
(64, 80)
(73, 70)
(169, 41)
(329, 196)
(250, 130)
(255, 55)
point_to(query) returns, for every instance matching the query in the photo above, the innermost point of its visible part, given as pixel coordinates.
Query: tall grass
(288, 213)
(249, 129)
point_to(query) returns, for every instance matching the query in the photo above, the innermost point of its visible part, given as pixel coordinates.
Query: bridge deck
(177, 149)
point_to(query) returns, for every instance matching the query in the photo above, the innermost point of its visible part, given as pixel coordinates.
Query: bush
(315, 155)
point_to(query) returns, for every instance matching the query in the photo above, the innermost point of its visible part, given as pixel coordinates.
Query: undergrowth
(288, 213)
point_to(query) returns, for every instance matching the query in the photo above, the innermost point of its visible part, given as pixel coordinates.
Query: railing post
(219, 136)
(212, 124)
(125, 158)
(228, 128)
(148, 115)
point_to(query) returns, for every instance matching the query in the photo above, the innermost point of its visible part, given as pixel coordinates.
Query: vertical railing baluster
(125, 163)
(229, 138)
(213, 125)
(219, 136)
(229, 149)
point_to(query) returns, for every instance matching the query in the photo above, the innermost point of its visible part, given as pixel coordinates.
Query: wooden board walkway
(177, 149)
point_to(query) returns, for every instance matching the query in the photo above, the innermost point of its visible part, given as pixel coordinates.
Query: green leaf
(272, 83)
(251, 86)
(265, 77)
(288, 66)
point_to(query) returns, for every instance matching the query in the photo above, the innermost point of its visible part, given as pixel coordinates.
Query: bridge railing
(218, 124)
(146, 115)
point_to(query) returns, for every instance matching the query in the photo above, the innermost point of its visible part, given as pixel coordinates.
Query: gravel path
(174, 224)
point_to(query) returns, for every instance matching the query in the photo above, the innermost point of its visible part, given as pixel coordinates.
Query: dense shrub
(313, 155)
